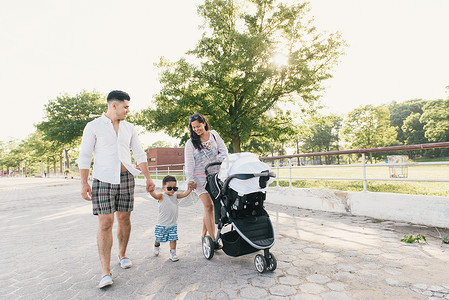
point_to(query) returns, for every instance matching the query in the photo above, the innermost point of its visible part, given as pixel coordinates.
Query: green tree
(399, 112)
(435, 118)
(369, 127)
(41, 151)
(237, 80)
(66, 117)
(323, 134)
(161, 144)
(7, 158)
(413, 130)
(16, 157)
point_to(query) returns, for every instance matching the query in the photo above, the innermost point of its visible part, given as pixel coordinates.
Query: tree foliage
(161, 144)
(436, 119)
(413, 130)
(10, 156)
(323, 133)
(66, 117)
(399, 112)
(234, 79)
(369, 127)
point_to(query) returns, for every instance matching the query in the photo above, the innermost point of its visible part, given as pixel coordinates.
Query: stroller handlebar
(264, 177)
(210, 165)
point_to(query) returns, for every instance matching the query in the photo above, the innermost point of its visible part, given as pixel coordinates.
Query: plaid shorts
(108, 198)
(166, 234)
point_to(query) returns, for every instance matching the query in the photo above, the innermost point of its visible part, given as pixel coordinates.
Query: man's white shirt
(110, 149)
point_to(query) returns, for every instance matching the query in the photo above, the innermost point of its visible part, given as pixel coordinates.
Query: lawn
(378, 172)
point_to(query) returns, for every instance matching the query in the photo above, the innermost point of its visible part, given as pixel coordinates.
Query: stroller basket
(234, 245)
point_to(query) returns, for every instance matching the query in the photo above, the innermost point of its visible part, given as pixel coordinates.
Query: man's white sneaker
(125, 262)
(155, 250)
(105, 281)
(173, 256)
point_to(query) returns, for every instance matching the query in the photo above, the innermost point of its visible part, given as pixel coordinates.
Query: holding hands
(150, 185)
(191, 185)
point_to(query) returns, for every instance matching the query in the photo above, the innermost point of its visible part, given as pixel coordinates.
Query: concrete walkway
(48, 246)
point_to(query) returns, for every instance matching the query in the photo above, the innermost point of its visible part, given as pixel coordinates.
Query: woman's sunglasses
(169, 188)
(195, 117)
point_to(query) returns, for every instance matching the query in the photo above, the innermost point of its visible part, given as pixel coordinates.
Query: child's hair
(168, 178)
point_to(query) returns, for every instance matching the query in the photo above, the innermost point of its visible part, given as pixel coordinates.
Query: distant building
(165, 157)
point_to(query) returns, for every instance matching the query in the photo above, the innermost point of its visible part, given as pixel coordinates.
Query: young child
(166, 228)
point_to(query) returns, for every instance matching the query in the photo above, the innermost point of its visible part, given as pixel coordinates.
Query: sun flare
(280, 60)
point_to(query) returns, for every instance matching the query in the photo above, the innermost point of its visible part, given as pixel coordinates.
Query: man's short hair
(118, 96)
(168, 178)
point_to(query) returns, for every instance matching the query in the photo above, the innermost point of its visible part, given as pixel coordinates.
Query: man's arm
(85, 159)
(141, 159)
(150, 184)
(86, 191)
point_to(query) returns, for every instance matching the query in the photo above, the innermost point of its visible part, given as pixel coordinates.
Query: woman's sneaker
(155, 250)
(173, 256)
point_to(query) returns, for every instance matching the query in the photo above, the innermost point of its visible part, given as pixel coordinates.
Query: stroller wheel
(272, 263)
(260, 263)
(208, 247)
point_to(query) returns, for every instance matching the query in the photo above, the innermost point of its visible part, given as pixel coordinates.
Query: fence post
(184, 173)
(168, 170)
(277, 175)
(290, 172)
(364, 171)
(156, 173)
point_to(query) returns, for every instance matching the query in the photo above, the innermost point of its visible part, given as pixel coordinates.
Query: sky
(397, 50)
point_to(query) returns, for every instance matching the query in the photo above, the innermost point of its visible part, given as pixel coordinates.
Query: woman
(203, 147)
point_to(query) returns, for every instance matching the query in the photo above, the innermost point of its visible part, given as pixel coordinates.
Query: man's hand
(150, 185)
(86, 192)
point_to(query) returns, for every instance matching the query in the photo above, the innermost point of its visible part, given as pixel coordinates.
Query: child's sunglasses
(169, 188)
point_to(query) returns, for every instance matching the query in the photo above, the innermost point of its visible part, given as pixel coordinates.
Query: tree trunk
(60, 164)
(236, 144)
(67, 157)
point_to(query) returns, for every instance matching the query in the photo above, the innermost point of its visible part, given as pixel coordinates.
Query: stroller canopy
(243, 163)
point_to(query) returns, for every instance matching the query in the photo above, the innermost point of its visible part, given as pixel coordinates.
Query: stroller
(238, 193)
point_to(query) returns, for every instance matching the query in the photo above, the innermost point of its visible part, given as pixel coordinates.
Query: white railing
(169, 169)
(290, 165)
(172, 168)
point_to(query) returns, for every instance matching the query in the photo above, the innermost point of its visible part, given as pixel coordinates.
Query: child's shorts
(166, 234)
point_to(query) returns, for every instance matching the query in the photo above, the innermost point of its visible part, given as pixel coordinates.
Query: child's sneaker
(173, 256)
(155, 250)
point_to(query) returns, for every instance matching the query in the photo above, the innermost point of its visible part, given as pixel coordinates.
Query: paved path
(48, 246)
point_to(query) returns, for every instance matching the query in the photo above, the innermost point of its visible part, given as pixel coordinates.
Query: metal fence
(363, 165)
(290, 165)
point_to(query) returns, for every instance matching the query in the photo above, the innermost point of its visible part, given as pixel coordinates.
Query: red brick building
(165, 156)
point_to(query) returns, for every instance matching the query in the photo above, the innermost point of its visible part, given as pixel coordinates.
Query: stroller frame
(224, 216)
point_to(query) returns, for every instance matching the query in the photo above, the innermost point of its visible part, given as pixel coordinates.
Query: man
(109, 138)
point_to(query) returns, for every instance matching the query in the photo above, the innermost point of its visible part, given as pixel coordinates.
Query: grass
(414, 239)
(433, 159)
(417, 188)
(380, 172)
